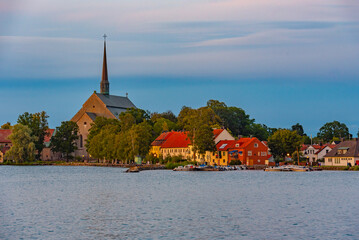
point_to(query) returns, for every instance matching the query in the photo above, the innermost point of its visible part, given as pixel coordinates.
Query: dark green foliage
(233, 118)
(332, 130)
(64, 140)
(235, 162)
(167, 115)
(140, 115)
(37, 122)
(284, 142)
(299, 128)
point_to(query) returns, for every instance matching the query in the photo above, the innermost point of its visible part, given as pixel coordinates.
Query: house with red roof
(316, 151)
(250, 151)
(179, 144)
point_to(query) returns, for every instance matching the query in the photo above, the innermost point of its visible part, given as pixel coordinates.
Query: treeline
(131, 135)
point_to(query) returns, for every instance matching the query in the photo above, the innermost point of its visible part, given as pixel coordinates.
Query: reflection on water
(48, 202)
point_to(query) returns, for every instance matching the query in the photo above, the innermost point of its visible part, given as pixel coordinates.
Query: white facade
(310, 153)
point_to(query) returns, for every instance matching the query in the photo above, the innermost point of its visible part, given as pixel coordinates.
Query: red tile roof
(49, 135)
(161, 139)
(4, 133)
(177, 140)
(224, 145)
(216, 132)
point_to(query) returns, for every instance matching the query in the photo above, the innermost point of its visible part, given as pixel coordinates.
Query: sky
(283, 62)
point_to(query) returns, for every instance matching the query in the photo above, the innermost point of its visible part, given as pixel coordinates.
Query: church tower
(104, 85)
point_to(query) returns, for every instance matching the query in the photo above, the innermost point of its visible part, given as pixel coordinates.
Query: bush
(356, 168)
(151, 159)
(172, 165)
(235, 162)
(346, 168)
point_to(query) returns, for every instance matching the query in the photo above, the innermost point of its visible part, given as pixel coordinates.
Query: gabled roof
(115, 104)
(116, 101)
(4, 134)
(353, 149)
(161, 139)
(177, 140)
(224, 145)
(216, 132)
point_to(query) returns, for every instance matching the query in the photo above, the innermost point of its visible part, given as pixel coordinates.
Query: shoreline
(147, 167)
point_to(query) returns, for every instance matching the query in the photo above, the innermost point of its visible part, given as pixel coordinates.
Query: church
(99, 104)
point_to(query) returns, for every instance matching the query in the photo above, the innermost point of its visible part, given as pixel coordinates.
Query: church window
(93, 106)
(81, 142)
(85, 123)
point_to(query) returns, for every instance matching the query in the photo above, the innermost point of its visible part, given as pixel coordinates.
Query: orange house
(250, 151)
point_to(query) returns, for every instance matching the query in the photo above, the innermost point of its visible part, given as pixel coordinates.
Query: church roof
(116, 101)
(116, 104)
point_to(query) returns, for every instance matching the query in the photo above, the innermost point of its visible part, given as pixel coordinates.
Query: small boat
(273, 169)
(133, 170)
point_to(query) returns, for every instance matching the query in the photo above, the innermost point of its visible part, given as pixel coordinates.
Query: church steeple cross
(104, 37)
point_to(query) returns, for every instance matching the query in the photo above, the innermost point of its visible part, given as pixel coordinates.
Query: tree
(299, 128)
(98, 125)
(163, 124)
(37, 122)
(233, 118)
(167, 115)
(23, 146)
(199, 124)
(259, 131)
(333, 129)
(284, 142)
(139, 114)
(64, 140)
(6, 126)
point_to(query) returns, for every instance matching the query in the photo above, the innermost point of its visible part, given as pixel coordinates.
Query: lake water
(55, 202)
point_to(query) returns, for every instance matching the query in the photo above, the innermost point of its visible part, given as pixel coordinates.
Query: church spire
(105, 85)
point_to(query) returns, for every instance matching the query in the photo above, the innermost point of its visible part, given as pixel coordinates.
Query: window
(224, 161)
(259, 160)
(224, 153)
(337, 160)
(263, 154)
(81, 142)
(237, 145)
(256, 145)
(85, 123)
(249, 153)
(240, 153)
(329, 160)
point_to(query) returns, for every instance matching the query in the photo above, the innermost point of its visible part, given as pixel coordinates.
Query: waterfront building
(46, 154)
(346, 153)
(99, 104)
(178, 144)
(250, 151)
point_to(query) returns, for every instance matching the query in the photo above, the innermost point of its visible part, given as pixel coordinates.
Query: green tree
(259, 131)
(163, 124)
(98, 125)
(284, 142)
(333, 129)
(140, 115)
(6, 126)
(299, 128)
(23, 146)
(167, 115)
(64, 140)
(140, 137)
(233, 118)
(37, 122)
(199, 124)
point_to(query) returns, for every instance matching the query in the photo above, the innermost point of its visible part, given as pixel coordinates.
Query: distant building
(250, 151)
(46, 154)
(346, 153)
(178, 144)
(99, 104)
